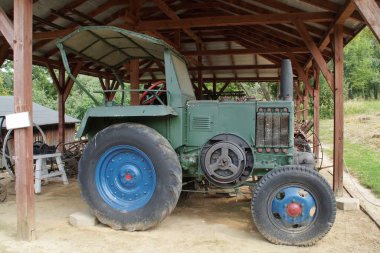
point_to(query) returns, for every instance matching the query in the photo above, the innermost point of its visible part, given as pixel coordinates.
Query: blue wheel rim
(125, 178)
(293, 208)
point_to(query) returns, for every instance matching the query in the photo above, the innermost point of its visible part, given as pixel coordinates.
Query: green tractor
(139, 157)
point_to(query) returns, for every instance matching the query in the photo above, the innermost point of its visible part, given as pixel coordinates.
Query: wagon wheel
(154, 93)
(7, 157)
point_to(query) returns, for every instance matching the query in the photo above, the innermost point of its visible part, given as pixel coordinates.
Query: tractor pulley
(224, 162)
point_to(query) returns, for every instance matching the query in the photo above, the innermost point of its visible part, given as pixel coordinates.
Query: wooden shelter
(223, 40)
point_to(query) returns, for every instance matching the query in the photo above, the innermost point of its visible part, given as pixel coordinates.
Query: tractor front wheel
(130, 176)
(293, 205)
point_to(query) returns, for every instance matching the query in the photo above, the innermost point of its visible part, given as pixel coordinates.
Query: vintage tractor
(138, 157)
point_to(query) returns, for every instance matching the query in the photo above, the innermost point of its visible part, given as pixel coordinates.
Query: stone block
(347, 204)
(83, 219)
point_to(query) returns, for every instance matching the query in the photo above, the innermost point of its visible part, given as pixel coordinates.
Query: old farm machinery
(138, 157)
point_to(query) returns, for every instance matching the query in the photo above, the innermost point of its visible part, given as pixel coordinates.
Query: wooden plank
(267, 50)
(23, 103)
(370, 11)
(217, 21)
(6, 27)
(338, 111)
(317, 55)
(135, 81)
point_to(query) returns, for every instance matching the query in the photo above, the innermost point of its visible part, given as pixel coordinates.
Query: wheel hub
(125, 178)
(293, 207)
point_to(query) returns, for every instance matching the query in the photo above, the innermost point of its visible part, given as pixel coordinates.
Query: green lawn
(361, 154)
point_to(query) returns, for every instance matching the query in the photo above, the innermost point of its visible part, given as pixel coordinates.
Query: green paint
(189, 124)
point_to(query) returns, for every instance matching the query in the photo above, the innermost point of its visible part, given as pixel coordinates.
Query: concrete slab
(347, 204)
(83, 219)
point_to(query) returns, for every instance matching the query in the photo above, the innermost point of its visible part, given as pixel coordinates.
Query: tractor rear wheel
(130, 176)
(293, 205)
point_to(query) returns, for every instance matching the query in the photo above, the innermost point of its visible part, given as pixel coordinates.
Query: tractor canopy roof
(111, 46)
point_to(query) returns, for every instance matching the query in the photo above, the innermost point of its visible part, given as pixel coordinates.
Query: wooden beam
(6, 27)
(171, 14)
(370, 11)
(302, 74)
(70, 82)
(317, 55)
(23, 103)
(345, 12)
(267, 50)
(338, 111)
(134, 80)
(52, 34)
(218, 21)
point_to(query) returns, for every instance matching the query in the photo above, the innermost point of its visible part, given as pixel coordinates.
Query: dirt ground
(202, 224)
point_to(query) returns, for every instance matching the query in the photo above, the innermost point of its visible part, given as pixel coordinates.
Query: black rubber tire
(167, 168)
(312, 181)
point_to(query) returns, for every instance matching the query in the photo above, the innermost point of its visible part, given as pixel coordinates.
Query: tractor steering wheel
(153, 93)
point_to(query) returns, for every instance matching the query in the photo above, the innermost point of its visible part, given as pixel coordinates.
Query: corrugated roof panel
(41, 114)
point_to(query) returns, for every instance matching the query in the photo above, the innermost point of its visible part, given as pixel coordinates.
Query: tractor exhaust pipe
(286, 82)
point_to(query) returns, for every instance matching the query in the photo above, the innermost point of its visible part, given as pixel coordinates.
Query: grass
(361, 152)
(355, 107)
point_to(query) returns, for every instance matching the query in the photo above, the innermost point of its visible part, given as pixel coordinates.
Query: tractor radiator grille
(200, 123)
(272, 129)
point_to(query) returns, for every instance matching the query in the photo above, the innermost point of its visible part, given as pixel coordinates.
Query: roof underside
(221, 39)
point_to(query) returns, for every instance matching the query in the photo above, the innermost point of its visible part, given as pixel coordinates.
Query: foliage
(362, 66)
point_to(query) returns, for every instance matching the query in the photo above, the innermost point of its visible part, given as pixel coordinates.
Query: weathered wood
(316, 117)
(267, 50)
(338, 111)
(305, 104)
(70, 82)
(235, 20)
(302, 74)
(23, 103)
(135, 81)
(344, 13)
(6, 27)
(370, 11)
(317, 55)
(3, 52)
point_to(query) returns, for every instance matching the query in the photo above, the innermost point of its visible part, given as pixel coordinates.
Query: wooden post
(198, 92)
(298, 102)
(135, 81)
(316, 114)
(305, 103)
(61, 107)
(23, 103)
(338, 111)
